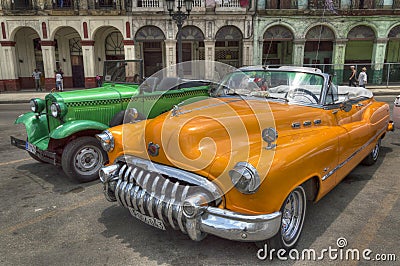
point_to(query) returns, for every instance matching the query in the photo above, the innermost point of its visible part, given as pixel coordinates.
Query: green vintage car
(61, 128)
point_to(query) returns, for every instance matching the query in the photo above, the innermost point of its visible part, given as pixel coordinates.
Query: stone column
(49, 63)
(338, 59)
(247, 53)
(9, 73)
(378, 58)
(88, 63)
(209, 56)
(298, 52)
(170, 57)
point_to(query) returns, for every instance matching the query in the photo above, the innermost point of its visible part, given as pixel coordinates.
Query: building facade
(332, 35)
(77, 36)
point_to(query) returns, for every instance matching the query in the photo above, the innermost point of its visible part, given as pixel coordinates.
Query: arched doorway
(359, 50)
(192, 46)
(228, 46)
(318, 48)
(78, 74)
(277, 46)
(391, 71)
(28, 56)
(114, 46)
(150, 40)
(69, 58)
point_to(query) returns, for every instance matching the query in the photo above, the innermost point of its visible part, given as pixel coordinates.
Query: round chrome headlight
(245, 178)
(107, 140)
(36, 105)
(58, 109)
(55, 109)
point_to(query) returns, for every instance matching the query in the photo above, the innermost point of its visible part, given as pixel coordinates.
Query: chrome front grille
(157, 194)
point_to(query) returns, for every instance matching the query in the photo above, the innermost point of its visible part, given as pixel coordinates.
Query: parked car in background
(396, 112)
(243, 164)
(61, 128)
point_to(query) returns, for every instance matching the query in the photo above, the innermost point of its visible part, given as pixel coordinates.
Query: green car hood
(108, 91)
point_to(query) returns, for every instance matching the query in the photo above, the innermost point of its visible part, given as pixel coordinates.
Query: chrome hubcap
(375, 151)
(88, 160)
(292, 217)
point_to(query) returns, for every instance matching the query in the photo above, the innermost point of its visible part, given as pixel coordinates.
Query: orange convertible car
(242, 163)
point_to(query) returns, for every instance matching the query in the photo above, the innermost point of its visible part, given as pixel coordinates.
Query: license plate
(157, 223)
(30, 147)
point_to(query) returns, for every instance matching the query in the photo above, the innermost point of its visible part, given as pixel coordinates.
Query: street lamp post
(179, 16)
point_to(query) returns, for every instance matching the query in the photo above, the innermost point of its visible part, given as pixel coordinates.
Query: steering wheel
(301, 92)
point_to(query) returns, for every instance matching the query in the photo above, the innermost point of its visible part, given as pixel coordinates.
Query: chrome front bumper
(234, 226)
(182, 200)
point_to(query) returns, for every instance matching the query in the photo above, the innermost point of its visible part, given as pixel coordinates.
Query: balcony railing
(149, 3)
(105, 4)
(63, 4)
(18, 5)
(228, 3)
(281, 4)
(324, 4)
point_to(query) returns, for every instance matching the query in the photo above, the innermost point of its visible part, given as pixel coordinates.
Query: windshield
(287, 85)
(121, 71)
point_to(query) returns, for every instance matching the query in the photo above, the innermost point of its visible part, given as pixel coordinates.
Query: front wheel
(82, 159)
(293, 214)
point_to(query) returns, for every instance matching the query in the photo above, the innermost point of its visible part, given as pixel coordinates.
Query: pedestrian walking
(352, 78)
(36, 76)
(98, 80)
(362, 77)
(59, 85)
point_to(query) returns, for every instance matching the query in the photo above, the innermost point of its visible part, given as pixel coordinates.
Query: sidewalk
(26, 95)
(8, 97)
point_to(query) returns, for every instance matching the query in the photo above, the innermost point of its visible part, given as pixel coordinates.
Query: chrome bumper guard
(182, 200)
(46, 156)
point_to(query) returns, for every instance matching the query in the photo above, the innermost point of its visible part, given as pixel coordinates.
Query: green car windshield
(123, 71)
(287, 85)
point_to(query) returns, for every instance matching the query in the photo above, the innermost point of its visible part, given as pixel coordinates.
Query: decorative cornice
(341, 41)
(128, 42)
(7, 43)
(87, 43)
(47, 43)
(382, 40)
(299, 41)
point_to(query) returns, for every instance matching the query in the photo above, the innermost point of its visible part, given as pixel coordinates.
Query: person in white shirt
(362, 77)
(59, 81)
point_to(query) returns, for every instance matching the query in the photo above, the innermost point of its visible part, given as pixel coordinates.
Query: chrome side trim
(351, 156)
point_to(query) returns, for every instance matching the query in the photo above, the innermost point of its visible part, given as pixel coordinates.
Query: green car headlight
(58, 109)
(37, 105)
(107, 140)
(245, 178)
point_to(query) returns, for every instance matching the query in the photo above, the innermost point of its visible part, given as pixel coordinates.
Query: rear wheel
(374, 155)
(82, 159)
(293, 213)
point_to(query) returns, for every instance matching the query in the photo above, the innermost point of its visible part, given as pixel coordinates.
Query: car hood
(199, 136)
(107, 92)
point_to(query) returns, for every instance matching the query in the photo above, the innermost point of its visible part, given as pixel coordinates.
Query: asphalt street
(47, 219)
